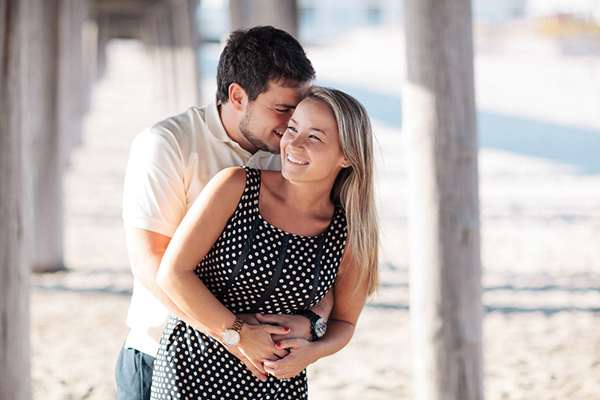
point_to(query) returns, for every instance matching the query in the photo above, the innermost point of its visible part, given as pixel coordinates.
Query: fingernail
(278, 344)
(287, 330)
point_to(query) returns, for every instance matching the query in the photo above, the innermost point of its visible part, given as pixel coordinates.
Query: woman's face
(310, 147)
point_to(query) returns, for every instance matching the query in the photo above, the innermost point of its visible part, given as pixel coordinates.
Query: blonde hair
(354, 187)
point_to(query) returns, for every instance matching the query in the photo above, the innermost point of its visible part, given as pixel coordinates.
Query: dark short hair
(254, 57)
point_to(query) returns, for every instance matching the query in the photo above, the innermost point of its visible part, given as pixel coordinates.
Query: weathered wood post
(440, 130)
(43, 141)
(169, 31)
(184, 51)
(282, 14)
(103, 22)
(15, 377)
(56, 103)
(240, 12)
(72, 82)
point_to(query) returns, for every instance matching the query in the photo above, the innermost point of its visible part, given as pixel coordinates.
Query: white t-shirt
(169, 165)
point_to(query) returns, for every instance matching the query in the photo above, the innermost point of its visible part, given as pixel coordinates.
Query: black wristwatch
(318, 325)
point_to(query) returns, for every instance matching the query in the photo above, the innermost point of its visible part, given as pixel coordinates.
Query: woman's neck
(297, 207)
(304, 197)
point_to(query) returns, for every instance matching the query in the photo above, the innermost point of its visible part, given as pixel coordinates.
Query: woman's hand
(295, 362)
(256, 344)
(259, 374)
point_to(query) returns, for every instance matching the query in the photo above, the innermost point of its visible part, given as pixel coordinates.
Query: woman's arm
(349, 299)
(146, 250)
(198, 231)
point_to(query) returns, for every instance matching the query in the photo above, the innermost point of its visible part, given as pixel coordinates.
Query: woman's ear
(237, 96)
(345, 164)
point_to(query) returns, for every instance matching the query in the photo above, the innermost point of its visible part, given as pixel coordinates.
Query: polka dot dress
(253, 267)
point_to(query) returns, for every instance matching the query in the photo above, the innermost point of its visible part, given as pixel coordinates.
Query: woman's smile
(295, 160)
(312, 142)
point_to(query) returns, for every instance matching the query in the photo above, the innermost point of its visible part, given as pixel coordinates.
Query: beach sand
(540, 229)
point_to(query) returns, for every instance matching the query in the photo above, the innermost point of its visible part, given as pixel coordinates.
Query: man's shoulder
(181, 131)
(189, 122)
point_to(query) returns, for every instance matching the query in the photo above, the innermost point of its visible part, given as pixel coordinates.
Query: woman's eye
(291, 128)
(315, 137)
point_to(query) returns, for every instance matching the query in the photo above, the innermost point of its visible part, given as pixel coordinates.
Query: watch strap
(238, 324)
(313, 318)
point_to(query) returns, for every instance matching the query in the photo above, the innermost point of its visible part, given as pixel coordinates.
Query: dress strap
(278, 268)
(250, 195)
(317, 269)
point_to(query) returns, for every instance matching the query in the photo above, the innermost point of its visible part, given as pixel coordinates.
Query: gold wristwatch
(231, 337)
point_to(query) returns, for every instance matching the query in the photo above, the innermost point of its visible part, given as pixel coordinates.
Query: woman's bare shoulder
(224, 190)
(229, 179)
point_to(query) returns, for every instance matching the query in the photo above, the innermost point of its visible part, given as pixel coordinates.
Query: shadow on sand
(502, 310)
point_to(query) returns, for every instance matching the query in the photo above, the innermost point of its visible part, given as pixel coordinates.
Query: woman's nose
(297, 141)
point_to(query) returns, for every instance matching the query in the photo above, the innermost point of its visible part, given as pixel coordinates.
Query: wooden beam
(15, 376)
(440, 130)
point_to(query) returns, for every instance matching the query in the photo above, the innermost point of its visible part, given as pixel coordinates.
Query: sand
(540, 226)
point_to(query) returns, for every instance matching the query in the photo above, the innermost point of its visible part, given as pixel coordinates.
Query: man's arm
(146, 250)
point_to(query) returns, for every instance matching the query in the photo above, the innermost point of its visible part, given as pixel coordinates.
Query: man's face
(265, 120)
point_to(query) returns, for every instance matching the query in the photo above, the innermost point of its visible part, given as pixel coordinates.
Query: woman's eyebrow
(311, 128)
(319, 130)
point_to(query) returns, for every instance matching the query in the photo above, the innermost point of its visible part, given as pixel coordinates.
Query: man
(263, 74)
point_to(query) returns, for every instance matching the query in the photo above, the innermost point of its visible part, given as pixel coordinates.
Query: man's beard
(244, 127)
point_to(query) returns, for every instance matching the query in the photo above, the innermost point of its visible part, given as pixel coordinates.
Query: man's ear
(237, 96)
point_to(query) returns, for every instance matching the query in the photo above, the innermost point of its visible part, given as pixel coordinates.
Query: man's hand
(299, 325)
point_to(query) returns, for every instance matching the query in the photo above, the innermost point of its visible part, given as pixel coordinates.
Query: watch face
(231, 338)
(320, 327)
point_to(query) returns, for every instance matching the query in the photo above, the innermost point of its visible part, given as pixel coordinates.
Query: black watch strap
(314, 321)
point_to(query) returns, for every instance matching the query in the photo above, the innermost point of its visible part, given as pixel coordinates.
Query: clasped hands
(272, 344)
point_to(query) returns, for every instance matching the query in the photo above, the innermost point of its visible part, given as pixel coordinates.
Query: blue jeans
(134, 375)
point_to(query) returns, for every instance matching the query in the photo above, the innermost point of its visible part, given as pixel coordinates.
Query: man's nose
(284, 123)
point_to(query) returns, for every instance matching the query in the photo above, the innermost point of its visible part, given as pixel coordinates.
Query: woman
(273, 242)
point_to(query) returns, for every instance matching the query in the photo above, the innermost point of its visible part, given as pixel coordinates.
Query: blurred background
(537, 80)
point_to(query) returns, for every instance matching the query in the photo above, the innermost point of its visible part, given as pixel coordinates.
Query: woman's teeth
(296, 160)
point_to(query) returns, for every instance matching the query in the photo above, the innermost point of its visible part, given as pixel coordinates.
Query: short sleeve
(154, 196)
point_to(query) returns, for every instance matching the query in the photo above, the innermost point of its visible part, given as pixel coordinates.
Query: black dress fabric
(253, 267)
